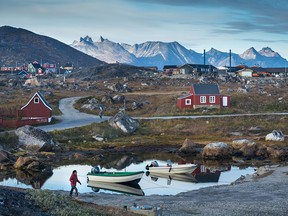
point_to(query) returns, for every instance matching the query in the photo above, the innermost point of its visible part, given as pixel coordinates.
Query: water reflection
(206, 174)
(133, 189)
(26, 177)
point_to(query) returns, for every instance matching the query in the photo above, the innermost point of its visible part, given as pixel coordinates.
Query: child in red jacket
(73, 181)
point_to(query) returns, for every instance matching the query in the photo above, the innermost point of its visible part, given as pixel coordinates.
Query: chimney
(204, 57)
(230, 60)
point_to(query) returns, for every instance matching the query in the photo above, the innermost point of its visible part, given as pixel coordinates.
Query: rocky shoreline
(264, 193)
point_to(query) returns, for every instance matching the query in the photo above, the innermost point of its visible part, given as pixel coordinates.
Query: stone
(275, 136)
(188, 147)
(238, 144)
(98, 138)
(217, 150)
(4, 156)
(118, 98)
(123, 122)
(26, 163)
(34, 138)
(277, 153)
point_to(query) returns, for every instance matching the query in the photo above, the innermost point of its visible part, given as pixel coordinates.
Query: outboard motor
(95, 170)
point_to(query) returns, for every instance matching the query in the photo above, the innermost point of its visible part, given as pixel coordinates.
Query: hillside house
(203, 96)
(198, 69)
(35, 69)
(37, 109)
(50, 68)
(171, 70)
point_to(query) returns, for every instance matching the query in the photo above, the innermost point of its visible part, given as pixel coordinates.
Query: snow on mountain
(251, 53)
(157, 53)
(104, 50)
(268, 52)
(160, 54)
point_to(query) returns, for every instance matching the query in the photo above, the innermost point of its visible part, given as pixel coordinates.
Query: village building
(203, 96)
(35, 69)
(50, 68)
(35, 111)
(37, 108)
(171, 70)
(198, 69)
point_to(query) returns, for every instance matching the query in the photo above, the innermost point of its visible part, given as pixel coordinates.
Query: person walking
(73, 181)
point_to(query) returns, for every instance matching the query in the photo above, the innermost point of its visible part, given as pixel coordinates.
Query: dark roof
(199, 66)
(170, 66)
(206, 89)
(276, 70)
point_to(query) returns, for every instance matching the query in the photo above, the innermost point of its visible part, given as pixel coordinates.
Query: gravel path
(71, 117)
(262, 195)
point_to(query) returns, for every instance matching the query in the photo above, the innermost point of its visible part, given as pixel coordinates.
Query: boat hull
(116, 177)
(175, 169)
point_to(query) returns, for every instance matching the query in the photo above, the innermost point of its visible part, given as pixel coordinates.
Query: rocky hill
(19, 46)
(111, 71)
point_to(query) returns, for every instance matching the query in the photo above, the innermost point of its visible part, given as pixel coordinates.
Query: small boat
(134, 189)
(171, 168)
(116, 177)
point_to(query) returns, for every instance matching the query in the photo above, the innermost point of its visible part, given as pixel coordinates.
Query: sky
(195, 24)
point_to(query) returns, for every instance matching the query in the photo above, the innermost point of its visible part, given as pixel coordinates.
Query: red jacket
(74, 179)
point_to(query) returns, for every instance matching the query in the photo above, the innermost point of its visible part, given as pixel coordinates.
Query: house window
(202, 99)
(36, 100)
(187, 101)
(212, 99)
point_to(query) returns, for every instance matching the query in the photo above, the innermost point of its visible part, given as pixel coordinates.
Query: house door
(225, 101)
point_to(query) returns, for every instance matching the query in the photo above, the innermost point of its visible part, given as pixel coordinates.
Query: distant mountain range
(19, 46)
(156, 53)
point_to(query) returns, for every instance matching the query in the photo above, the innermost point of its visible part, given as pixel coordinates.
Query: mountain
(156, 53)
(105, 50)
(19, 46)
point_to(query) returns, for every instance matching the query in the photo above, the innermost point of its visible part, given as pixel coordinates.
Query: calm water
(148, 185)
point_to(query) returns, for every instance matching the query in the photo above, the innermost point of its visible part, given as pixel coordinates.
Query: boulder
(275, 136)
(277, 153)
(249, 150)
(28, 163)
(188, 147)
(124, 122)
(4, 156)
(98, 138)
(118, 87)
(238, 144)
(217, 150)
(119, 99)
(107, 99)
(91, 104)
(34, 138)
(135, 105)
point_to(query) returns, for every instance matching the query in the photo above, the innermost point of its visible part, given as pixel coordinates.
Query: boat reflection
(204, 174)
(132, 189)
(185, 177)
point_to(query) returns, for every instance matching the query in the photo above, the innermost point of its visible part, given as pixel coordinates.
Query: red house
(36, 109)
(203, 96)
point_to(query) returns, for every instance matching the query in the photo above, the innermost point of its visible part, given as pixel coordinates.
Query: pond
(148, 185)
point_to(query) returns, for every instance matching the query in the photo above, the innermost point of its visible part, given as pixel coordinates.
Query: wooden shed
(37, 108)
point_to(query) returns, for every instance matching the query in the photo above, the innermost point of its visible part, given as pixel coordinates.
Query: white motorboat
(116, 177)
(171, 168)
